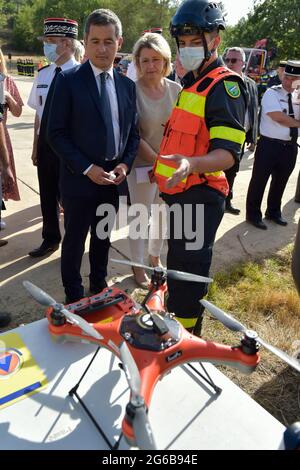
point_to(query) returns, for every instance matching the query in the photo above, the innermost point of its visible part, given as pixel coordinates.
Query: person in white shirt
(277, 149)
(59, 45)
(156, 96)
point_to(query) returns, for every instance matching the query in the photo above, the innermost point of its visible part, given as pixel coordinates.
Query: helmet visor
(184, 30)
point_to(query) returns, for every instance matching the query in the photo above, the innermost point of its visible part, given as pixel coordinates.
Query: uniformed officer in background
(277, 79)
(59, 46)
(277, 149)
(203, 136)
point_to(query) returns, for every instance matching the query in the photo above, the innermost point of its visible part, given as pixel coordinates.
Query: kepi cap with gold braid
(60, 27)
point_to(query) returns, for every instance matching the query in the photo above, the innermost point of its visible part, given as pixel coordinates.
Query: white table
(185, 413)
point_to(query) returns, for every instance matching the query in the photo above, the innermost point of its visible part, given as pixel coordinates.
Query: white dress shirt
(41, 85)
(276, 99)
(113, 99)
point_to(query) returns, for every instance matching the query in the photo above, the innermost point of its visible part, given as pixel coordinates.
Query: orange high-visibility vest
(186, 134)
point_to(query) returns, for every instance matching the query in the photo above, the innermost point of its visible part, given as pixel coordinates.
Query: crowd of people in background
(99, 124)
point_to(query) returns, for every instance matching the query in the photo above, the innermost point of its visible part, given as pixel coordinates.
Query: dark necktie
(107, 116)
(45, 115)
(293, 130)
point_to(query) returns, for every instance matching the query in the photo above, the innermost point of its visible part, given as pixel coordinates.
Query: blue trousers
(80, 217)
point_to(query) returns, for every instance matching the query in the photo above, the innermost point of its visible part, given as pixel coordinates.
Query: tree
(277, 20)
(135, 17)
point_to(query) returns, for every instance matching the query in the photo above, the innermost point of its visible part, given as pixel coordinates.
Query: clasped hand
(102, 177)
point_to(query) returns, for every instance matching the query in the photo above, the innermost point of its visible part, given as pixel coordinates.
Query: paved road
(236, 240)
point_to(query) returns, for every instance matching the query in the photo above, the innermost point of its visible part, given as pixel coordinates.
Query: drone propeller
(141, 425)
(227, 320)
(234, 325)
(171, 273)
(39, 295)
(44, 299)
(131, 371)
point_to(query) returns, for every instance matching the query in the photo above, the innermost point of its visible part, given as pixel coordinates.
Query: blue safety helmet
(197, 16)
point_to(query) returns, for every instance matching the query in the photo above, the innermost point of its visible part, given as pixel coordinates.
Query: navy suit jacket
(76, 129)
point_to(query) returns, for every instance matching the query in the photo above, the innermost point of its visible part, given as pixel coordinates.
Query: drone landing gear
(73, 392)
(207, 379)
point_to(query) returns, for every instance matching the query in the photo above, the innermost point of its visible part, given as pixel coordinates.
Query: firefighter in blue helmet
(202, 137)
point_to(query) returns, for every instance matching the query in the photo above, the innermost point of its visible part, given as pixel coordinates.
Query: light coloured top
(153, 115)
(41, 85)
(276, 99)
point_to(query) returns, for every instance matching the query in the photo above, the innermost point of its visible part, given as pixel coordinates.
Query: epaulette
(42, 68)
(276, 87)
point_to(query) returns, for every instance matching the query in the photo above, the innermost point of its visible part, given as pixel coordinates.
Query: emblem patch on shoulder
(232, 89)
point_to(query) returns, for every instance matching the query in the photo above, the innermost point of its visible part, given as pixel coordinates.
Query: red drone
(149, 341)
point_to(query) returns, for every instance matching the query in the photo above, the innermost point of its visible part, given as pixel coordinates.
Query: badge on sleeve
(232, 89)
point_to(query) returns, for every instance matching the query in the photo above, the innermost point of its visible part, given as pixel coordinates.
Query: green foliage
(135, 17)
(277, 20)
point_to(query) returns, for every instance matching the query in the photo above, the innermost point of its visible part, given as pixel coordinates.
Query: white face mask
(191, 57)
(50, 51)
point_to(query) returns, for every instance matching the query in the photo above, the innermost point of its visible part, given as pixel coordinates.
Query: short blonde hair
(79, 51)
(157, 43)
(3, 68)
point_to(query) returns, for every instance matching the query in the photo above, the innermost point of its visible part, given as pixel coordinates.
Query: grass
(261, 295)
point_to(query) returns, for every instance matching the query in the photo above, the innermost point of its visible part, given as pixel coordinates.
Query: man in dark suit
(92, 128)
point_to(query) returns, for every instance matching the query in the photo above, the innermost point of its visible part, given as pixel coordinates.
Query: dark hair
(102, 17)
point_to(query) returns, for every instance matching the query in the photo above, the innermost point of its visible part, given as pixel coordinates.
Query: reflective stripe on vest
(227, 133)
(187, 322)
(192, 103)
(167, 171)
(186, 134)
